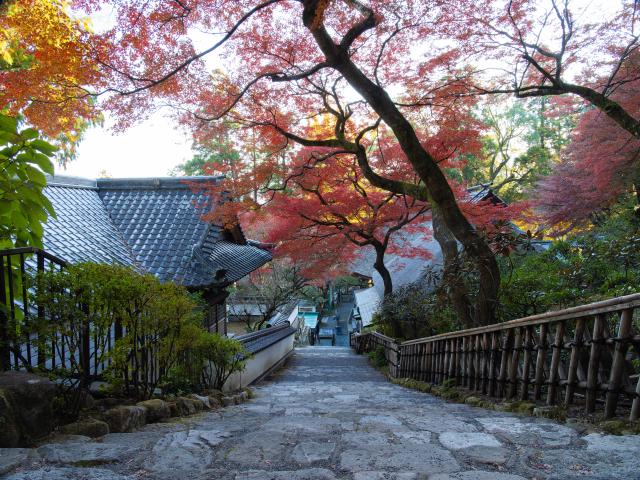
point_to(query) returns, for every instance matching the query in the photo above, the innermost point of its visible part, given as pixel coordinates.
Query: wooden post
(452, 359)
(471, 359)
(476, 361)
(470, 367)
(554, 373)
(635, 406)
(572, 375)
(594, 363)
(493, 355)
(541, 357)
(463, 362)
(513, 366)
(427, 364)
(504, 360)
(441, 355)
(445, 360)
(617, 367)
(484, 361)
(526, 366)
(434, 362)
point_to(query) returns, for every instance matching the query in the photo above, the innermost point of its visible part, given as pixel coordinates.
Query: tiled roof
(256, 341)
(82, 229)
(152, 224)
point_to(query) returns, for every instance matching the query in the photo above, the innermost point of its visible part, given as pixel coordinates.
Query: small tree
(271, 288)
(147, 318)
(209, 359)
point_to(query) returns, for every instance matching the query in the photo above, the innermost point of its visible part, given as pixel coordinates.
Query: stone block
(89, 427)
(126, 418)
(185, 406)
(157, 410)
(205, 400)
(26, 408)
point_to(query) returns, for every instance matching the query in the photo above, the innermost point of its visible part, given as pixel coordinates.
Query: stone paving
(330, 416)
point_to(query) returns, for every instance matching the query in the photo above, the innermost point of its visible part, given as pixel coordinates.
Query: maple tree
(289, 61)
(45, 69)
(598, 167)
(552, 48)
(334, 203)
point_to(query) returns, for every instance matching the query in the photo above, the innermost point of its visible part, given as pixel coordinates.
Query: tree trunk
(423, 164)
(387, 282)
(459, 293)
(383, 271)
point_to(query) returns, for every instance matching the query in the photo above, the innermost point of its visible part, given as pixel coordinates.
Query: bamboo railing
(587, 355)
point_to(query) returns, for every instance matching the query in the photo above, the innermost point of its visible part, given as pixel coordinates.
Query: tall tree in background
(522, 142)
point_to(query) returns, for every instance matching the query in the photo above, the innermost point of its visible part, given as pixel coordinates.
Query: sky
(150, 149)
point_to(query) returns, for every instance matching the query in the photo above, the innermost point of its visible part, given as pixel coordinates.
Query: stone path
(331, 416)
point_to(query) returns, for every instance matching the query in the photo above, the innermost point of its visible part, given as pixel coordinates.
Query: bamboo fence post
(526, 364)
(427, 372)
(513, 366)
(434, 357)
(594, 363)
(504, 360)
(617, 367)
(485, 361)
(441, 360)
(476, 366)
(470, 366)
(463, 362)
(459, 361)
(434, 363)
(452, 359)
(495, 345)
(445, 360)
(572, 376)
(541, 357)
(554, 373)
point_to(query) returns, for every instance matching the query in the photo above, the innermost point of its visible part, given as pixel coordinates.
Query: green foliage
(213, 154)
(215, 357)
(96, 298)
(596, 265)
(24, 159)
(522, 141)
(415, 311)
(378, 357)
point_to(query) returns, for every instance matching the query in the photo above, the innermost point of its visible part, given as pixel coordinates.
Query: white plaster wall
(260, 363)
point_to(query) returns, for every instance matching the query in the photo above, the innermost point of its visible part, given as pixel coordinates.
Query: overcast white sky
(150, 149)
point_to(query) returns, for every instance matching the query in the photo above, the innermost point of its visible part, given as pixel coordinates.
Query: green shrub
(414, 311)
(149, 317)
(378, 357)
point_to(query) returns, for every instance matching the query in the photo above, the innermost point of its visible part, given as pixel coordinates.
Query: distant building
(155, 226)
